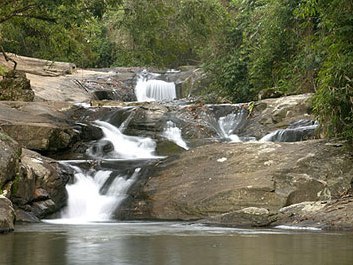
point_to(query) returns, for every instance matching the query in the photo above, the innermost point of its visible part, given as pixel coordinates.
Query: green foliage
(58, 30)
(245, 46)
(167, 33)
(333, 102)
(3, 70)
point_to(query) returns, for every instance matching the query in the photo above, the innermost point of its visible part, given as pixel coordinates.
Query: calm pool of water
(170, 243)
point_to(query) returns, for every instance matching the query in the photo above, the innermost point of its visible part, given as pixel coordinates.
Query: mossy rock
(16, 87)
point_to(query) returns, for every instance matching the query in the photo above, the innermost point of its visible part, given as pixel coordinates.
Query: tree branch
(7, 58)
(17, 12)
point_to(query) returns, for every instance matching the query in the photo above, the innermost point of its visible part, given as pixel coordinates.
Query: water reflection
(159, 244)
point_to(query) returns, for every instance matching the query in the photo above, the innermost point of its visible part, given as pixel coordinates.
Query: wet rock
(23, 216)
(222, 178)
(16, 86)
(40, 187)
(269, 115)
(7, 215)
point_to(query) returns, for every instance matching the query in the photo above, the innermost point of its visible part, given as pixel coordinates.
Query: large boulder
(271, 114)
(10, 153)
(224, 178)
(40, 126)
(16, 86)
(7, 215)
(39, 188)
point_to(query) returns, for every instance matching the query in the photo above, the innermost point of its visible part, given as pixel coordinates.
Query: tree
(72, 29)
(167, 33)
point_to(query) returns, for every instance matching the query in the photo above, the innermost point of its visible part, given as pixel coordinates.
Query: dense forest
(244, 46)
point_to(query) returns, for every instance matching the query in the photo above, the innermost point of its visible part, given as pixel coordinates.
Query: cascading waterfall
(298, 131)
(116, 145)
(94, 194)
(173, 133)
(228, 124)
(154, 90)
(88, 200)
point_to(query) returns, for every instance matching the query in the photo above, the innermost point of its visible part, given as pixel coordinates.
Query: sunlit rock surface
(222, 178)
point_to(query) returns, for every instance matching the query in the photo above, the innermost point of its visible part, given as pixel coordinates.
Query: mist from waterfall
(173, 133)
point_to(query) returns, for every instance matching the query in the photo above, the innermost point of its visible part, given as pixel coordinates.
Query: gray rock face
(37, 125)
(223, 178)
(329, 215)
(10, 152)
(7, 215)
(40, 186)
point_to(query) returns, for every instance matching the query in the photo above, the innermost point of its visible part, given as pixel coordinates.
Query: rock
(247, 217)
(23, 216)
(223, 178)
(15, 86)
(40, 188)
(38, 126)
(269, 115)
(38, 66)
(269, 93)
(327, 215)
(10, 153)
(7, 215)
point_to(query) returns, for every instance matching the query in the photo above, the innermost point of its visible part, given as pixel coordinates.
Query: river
(172, 243)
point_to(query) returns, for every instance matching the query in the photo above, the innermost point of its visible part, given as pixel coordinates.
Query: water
(170, 243)
(96, 194)
(173, 133)
(225, 126)
(298, 131)
(228, 124)
(115, 144)
(154, 90)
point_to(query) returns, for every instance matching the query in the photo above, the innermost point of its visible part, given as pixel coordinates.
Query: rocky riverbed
(250, 183)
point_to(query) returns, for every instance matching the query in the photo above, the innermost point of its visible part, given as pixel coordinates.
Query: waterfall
(228, 124)
(154, 90)
(96, 194)
(88, 200)
(225, 126)
(173, 133)
(116, 145)
(297, 131)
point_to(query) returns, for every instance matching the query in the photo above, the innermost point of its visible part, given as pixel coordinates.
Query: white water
(95, 195)
(154, 90)
(291, 134)
(173, 133)
(124, 146)
(228, 124)
(86, 200)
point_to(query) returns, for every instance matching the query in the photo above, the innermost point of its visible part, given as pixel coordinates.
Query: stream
(152, 243)
(87, 232)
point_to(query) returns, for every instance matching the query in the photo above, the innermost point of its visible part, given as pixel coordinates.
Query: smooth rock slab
(222, 178)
